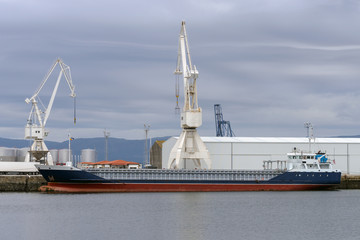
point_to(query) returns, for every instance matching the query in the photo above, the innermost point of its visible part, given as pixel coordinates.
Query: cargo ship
(301, 171)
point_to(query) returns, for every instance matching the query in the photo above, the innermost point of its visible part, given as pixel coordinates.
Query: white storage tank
(64, 156)
(88, 155)
(21, 154)
(7, 154)
(55, 155)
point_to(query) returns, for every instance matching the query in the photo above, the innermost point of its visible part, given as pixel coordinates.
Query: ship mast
(310, 133)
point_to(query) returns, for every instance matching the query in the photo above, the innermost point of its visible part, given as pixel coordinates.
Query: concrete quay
(350, 182)
(21, 183)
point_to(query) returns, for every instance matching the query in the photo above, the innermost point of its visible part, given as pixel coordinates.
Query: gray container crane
(223, 128)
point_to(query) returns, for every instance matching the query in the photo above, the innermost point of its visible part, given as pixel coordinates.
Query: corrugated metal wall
(249, 153)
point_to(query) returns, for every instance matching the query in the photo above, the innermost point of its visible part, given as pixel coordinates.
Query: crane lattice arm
(191, 113)
(37, 128)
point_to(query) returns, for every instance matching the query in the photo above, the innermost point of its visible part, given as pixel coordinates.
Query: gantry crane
(36, 122)
(189, 146)
(223, 128)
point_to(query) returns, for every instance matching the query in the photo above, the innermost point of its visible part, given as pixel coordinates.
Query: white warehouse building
(250, 152)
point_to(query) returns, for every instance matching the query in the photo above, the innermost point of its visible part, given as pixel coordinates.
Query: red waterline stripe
(150, 187)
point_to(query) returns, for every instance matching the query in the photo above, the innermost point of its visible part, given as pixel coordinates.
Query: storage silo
(21, 154)
(64, 156)
(7, 154)
(88, 155)
(55, 155)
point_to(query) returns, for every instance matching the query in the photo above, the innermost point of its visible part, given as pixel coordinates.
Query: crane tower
(189, 146)
(36, 122)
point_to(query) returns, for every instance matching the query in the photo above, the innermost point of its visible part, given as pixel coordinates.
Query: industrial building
(250, 152)
(156, 154)
(116, 164)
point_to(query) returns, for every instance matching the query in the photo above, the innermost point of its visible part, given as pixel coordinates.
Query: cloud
(271, 64)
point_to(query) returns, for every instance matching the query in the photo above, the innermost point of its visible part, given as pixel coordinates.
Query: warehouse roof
(278, 140)
(115, 162)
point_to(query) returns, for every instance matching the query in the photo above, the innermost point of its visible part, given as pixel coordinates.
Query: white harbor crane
(189, 146)
(35, 127)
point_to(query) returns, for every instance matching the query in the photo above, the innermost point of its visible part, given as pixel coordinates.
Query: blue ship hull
(75, 180)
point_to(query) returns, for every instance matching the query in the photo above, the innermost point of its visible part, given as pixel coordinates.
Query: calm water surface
(239, 215)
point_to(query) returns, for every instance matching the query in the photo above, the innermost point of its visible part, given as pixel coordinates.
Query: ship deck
(185, 174)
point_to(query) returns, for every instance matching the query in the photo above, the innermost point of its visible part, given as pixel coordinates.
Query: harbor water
(182, 216)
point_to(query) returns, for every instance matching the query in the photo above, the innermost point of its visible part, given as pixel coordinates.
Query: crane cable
(74, 110)
(177, 108)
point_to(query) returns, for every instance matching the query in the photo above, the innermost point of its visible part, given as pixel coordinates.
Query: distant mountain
(119, 148)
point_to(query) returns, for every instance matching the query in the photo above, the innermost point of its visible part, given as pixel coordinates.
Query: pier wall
(21, 183)
(350, 182)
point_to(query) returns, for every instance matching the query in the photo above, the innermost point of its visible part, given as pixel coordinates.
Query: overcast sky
(272, 65)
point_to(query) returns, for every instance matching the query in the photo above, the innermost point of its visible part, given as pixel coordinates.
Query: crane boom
(42, 83)
(64, 70)
(191, 116)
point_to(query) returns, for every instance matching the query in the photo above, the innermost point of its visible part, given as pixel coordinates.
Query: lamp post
(147, 129)
(106, 135)
(69, 162)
